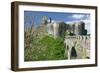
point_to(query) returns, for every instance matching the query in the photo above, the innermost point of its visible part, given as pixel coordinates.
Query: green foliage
(44, 48)
(54, 47)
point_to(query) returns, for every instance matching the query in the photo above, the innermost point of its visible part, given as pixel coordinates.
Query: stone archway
(70, 51)
(78, 47)
(73, 53)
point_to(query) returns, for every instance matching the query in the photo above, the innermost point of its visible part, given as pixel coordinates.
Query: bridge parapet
(80, 45)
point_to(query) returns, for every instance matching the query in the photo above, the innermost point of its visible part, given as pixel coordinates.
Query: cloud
(80, 16)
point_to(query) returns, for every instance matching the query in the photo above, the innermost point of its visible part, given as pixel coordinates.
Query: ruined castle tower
(80, 29)
(56, 28)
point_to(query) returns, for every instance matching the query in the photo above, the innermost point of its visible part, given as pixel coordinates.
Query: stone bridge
(77, 47)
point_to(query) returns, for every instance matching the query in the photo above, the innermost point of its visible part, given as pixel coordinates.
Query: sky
(35, 17)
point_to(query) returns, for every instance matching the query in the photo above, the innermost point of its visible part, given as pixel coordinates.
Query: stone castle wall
(58, 29)
(77, 47)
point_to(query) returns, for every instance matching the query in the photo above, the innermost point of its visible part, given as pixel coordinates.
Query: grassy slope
(43, 47)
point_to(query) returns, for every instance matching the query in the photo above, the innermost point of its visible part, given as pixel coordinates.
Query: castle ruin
(77, 41)
(58, 28)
